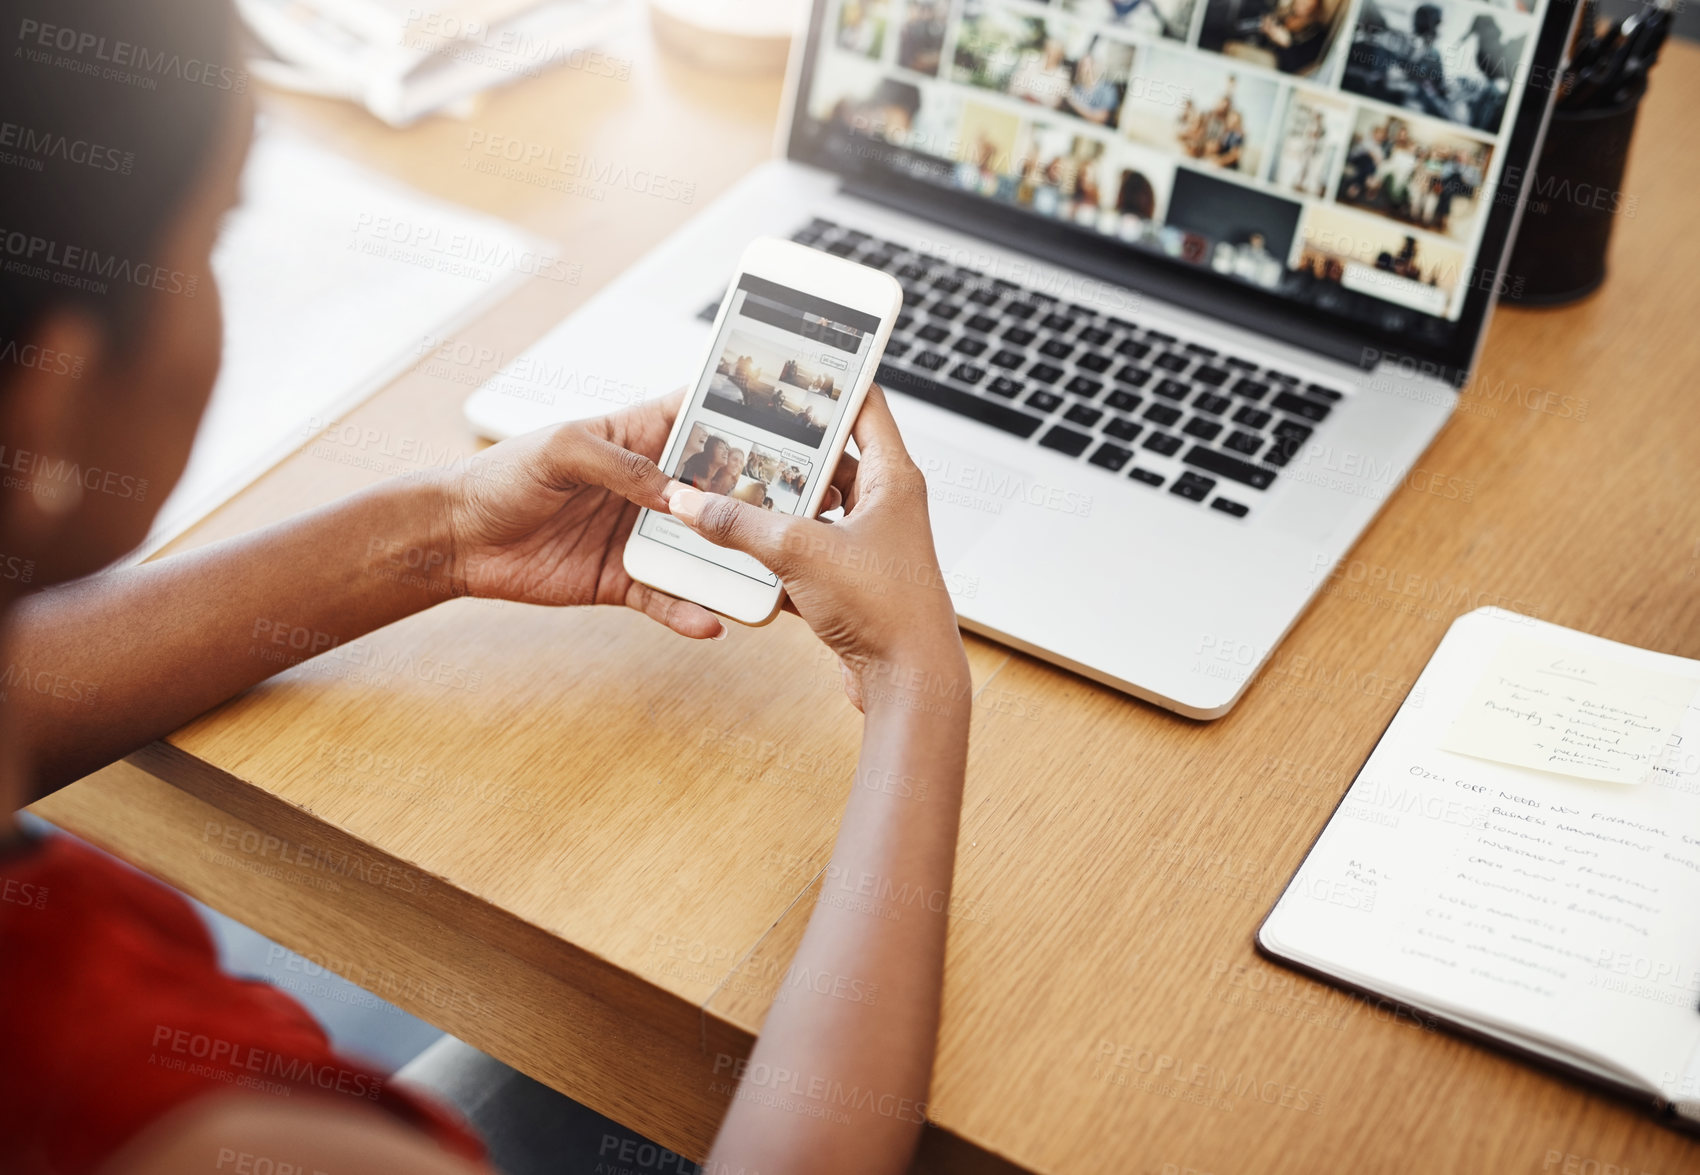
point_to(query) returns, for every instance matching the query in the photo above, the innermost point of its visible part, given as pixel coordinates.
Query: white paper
(1570, 712)
(315, 320)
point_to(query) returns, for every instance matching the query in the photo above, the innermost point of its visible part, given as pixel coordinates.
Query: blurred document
(333, 282)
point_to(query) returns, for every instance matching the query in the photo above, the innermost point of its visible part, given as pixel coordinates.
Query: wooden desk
(565, 850)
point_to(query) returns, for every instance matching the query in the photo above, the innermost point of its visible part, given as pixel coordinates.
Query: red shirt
(113, 1013)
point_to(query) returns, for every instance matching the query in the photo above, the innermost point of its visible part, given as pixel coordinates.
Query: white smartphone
(796, 344)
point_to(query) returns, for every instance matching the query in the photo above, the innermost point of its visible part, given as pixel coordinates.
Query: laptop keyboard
(1135, 402)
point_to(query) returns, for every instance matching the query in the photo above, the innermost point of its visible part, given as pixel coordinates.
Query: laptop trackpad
(966, 494)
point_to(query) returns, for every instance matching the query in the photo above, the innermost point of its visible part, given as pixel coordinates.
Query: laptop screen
(1342, 155)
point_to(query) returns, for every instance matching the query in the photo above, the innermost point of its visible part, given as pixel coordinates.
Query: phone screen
(759, 421)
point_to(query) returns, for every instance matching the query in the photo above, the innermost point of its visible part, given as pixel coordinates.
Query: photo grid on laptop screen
(1343, 153)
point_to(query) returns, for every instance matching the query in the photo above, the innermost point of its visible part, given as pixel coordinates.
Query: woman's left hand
(543, 518)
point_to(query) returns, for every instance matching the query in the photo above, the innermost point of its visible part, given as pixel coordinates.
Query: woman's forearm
(95, 669)
(838, 1080)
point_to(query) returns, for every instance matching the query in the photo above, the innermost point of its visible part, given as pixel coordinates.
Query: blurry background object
(402, 59)
(738, 36)
(333, 281)
(1575, 191)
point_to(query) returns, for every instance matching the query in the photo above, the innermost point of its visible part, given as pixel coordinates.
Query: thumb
(727, 522)
(634, 476)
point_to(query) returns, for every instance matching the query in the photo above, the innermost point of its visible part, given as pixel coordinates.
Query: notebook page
(1563, 909)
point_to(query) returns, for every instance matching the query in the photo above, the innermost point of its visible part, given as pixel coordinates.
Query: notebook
(1520, 857)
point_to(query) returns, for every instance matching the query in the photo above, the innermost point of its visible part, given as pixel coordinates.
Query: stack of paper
(403, 59)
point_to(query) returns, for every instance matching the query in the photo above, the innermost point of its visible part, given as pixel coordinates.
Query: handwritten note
(1554, 709)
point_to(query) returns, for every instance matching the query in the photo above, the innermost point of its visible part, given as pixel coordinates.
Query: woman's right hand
(869, 585)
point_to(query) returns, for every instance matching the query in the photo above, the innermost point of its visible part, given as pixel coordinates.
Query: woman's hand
(543, 518)
(869, 585)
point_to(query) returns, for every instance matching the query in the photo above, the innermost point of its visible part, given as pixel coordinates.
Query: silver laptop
(1190, 287)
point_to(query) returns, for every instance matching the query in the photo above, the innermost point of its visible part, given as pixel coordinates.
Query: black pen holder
(1575, 195)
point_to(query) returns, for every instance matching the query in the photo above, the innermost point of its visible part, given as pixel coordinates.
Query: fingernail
(685, 504)
(672, 487)
(719, 636)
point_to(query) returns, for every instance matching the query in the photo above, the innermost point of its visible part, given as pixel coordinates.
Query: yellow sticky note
(1571, 713)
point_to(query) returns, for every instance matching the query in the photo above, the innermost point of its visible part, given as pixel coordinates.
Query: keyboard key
(1058, 322)
(968, 373)
(1019, 335)
(1084, 414)
(1066, 440)
(1242, 364)
(1204, 430)
(841, 248)
(1134, 349)
(1162, 414)
(1146, 476)
(912, 272)
(1229, 506)
(930, 360)
(949, 285)
(970, 346)
(1111, 457)
(1009, 359)
(1169, 361)
(1057, 349)
(1201, 350)
(1000, 416)
(1121, 324)
(1321, 392)
(1093, 362)
(1290, 437)
(984, 296)
(1122, 401)
(1045, 373)
(1252, 417)
(898, 348)
(946, 310)
(1122, 428)
(1157, 336)
(1162, 442)
(1231, 468)
(1251, 389)
(1212, 403)
(984, 323)
(1020, 310)
(1210, 377)
(1244, 443)
(1192, 487)
(1081, 386)
(1005, 387)
(1093, 337)
(1299, 406)
(1282, 377)
(934, 333)
(1137, 376)
(1172, 389)
(1044, 401)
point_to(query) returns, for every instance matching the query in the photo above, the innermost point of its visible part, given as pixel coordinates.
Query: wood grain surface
(589, 847)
